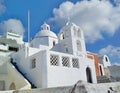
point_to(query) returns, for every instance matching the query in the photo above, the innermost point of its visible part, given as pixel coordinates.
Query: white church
(46, 61)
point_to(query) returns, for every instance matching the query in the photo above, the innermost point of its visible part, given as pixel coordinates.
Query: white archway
(12, 86)
(88, 74)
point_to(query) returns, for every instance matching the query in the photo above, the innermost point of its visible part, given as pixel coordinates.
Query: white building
(105, 61)
(48, 60)
(10, 77)
(13, 36)
(51, 61)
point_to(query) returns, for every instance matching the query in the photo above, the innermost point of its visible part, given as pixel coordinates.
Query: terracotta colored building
(98, 66)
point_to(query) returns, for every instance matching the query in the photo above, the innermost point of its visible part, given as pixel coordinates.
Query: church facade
(51, 60)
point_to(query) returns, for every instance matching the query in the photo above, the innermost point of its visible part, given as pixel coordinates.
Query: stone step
(103, 79)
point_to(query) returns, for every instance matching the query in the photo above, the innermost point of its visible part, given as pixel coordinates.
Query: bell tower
(45, 27)
(74, 35)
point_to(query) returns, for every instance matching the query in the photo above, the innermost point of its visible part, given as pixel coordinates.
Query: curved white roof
(45, 31)
(48, 33)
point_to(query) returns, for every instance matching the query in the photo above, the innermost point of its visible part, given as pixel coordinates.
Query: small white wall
(66, 76)
(13, 36)
(10, 75)
(23, 59)
(37, 75)
(17, 78)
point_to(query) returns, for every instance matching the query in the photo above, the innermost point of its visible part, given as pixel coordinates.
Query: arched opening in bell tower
(79, 46)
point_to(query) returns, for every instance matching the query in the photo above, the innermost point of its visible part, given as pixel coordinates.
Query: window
(33, 65)
(62, 36)
(54, 60)
(66, 47)
(53, 43)
(108, 91)
(106, 59)
(2, 85)
(65, 61)
(79, 46)
(78, 33)
(89, 75)
(66, 50)
(101, 72)
(74, 28)
(47, 28)
(12, 86)
(75, 63)
(66, 33)
(13, 49)
(41, 28)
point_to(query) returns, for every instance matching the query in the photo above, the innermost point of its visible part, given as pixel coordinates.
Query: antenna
(68, 20)
(28, 27)
(28, 33)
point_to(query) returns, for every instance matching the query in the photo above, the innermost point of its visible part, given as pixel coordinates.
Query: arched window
(106, 59)
(12, 86)
(79, 33)
(101, 72)
(108, 91)
(74, 28)
(54, 43)
(75, 33)
(66, 50)
(62, 36)
(47, 28)
(79, 46)
(33, 64)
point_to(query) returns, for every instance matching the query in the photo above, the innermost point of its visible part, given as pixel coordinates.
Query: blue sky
(99, 19)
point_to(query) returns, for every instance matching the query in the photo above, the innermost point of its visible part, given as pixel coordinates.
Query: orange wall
(96, 63)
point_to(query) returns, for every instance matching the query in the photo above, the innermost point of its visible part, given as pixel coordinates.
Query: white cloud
(13, 25)
(113, 52)
(116, 64)
(2, 7)
(117, 2)
(94, 17)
